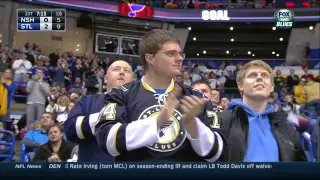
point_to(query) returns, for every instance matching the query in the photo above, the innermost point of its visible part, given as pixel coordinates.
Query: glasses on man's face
(173, 53)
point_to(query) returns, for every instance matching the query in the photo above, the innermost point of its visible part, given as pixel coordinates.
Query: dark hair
(153, 41)
(201, 82)
(56, 125)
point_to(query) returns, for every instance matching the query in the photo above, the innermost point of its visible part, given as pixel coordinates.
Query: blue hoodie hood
(262, 145)
(270, 108)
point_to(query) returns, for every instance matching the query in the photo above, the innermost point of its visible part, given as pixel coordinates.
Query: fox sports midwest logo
(284, 18)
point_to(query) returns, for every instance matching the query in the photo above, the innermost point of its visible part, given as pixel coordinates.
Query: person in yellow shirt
(299, 92)
(312, 90)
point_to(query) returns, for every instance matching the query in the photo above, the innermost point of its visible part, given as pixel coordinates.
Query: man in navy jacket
(79, 127)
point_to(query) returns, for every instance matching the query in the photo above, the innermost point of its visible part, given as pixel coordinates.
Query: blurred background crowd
(48, 83)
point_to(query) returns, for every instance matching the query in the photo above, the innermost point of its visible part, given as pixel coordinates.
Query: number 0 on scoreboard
(41, 20)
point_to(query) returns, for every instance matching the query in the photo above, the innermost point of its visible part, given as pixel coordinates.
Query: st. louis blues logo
(172, 133)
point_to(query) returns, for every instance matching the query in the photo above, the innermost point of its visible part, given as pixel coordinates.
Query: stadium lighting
(274, 28)
(281, 39)
(277, 55)
(227, 52)
(204, 52)
(198, 54)
(253, 55)
(249, 52)
(232, 40)
(0, 41)
(78, 45)
(273, 52)
(189, 28)
(194, 38)
(231, 28)
(77, 49)
(311, 27)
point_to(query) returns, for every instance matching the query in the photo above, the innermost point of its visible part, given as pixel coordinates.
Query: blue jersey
(127, 127)
(79, 128)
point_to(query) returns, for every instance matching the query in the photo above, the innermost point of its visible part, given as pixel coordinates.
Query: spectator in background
(40, 65)
(77, 86)
(312, 90)
(306, 74)
(264, 132)
(56, 149)
(202, 86)
(214, 83)
(30, 55)
(4, 63)
(222, 75)
(96, 84)
(224, 103)
(38, 91)
(61, 109)
(289, 106)
(21, 68)
(186, 78)
(299, 92)
(59, 72)
(279, 81)
(292, 80)
(77, 71)
(190, 68)
(54, 57)
(79, 127)
(7, 89)
(35, 137)
(196, 75)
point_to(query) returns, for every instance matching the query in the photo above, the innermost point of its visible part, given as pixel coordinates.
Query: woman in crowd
(56, 149)
(7, 89)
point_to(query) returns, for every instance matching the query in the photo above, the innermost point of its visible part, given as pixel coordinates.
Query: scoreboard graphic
(41, 20)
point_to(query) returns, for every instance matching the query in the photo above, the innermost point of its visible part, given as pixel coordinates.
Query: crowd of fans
(53, 83)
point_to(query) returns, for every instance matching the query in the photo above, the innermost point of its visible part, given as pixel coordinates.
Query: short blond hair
(255, 63)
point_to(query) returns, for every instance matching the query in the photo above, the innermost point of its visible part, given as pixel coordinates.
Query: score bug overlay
(41, 20)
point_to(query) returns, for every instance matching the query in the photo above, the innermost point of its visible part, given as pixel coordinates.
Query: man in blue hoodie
(79, 127)
(254, 131)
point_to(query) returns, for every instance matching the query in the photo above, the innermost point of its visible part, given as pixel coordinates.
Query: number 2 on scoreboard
(46, 26)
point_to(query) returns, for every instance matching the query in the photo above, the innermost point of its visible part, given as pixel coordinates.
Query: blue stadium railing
(8, 142)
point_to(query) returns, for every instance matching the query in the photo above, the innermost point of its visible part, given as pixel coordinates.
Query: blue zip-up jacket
(79, 128)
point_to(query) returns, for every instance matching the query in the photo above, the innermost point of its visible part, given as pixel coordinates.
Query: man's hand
(171, 104)
(54, 158)
(192, 106)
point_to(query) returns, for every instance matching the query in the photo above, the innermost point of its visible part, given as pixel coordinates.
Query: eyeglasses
(173, 53)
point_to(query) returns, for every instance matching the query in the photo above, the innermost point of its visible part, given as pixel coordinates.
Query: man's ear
(240, 88)
(149, 58)
(272, 87)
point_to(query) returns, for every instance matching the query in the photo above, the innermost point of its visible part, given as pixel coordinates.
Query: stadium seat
(24, 156)
(11, 144)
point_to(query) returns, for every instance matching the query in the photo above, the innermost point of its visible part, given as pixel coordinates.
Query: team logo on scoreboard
(284, 18)
(172, 133)
(136, 11)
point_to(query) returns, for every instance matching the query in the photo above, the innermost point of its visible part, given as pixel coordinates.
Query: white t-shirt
(213, 83)
(223, 74)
